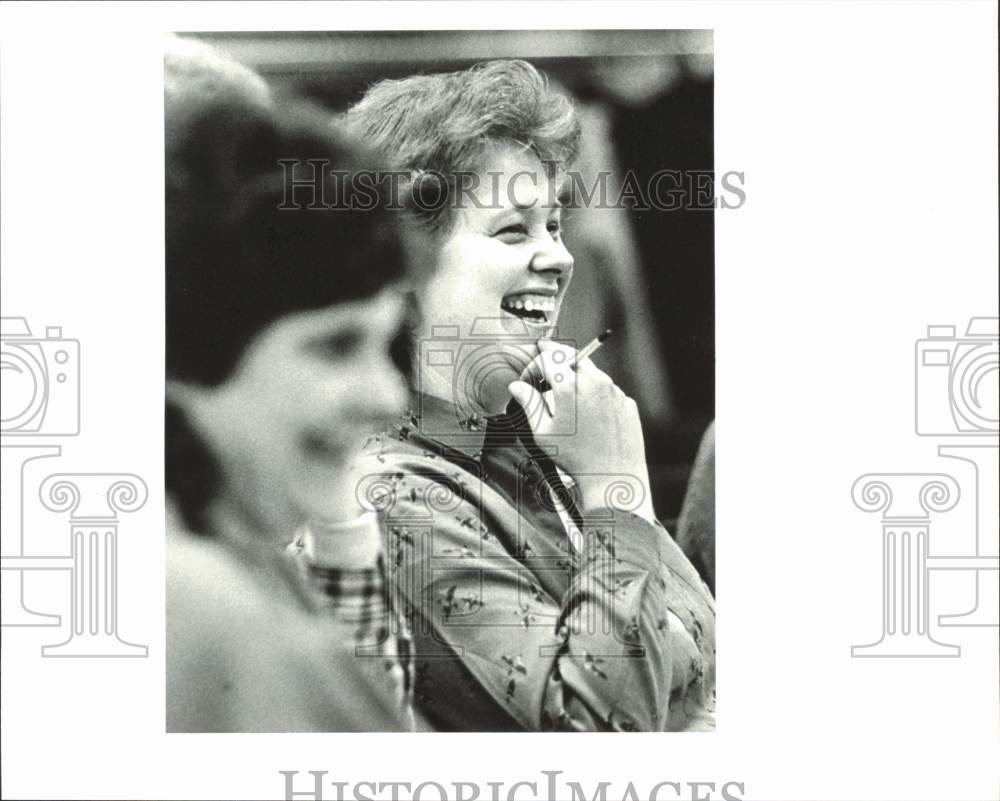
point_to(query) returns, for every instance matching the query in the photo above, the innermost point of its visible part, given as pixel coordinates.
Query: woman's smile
(537, 307)
(503, 260)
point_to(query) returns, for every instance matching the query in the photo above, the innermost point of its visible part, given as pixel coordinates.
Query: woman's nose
(386, 396)
(553, 257)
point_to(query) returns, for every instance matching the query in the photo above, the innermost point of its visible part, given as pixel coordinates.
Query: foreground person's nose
(384, 396)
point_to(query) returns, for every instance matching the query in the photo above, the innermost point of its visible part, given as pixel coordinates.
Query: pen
(589, 348)
(546, 389)
(518, 420)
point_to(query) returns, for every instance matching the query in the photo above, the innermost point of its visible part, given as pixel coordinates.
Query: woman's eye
(513, 231)
(554, 227)
(339, 345)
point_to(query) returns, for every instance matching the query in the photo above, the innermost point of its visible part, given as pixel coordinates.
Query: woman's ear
(191, 400)
(191, 472)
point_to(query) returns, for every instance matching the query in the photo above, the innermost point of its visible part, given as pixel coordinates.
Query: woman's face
(307, 392)
(502, 274)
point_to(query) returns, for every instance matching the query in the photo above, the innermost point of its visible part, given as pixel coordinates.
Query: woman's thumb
(521, 392)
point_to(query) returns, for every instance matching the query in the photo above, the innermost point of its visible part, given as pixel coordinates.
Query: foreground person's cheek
(383, 395)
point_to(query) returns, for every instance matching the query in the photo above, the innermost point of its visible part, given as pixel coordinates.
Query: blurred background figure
(280, 327)
(696, 526)
(645, 103)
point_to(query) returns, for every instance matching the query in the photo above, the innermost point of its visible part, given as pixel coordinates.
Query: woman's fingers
(528, 396)
(530, 399)
(551, 377)
(549, 371)
(533, 372)
(535, 375)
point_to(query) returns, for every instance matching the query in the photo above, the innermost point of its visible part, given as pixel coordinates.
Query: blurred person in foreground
(280, 321)
(522, 621)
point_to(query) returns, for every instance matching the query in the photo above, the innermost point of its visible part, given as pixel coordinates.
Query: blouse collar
(443, 422)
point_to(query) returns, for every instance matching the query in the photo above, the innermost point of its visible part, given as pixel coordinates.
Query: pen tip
(605, 335)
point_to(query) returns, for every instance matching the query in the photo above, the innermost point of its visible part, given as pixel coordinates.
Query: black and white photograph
(383, 378)
(440, 381)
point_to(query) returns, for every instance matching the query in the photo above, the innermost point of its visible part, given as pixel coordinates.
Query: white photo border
(867, 135)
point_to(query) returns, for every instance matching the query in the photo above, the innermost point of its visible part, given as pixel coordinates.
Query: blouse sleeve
(629, 646)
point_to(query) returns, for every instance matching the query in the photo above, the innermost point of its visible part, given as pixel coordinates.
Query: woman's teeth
(537, 307)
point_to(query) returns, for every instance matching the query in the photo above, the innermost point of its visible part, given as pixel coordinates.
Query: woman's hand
(604, 451)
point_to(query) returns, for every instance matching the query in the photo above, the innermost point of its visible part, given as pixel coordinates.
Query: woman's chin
(333, 500)
(493, 393)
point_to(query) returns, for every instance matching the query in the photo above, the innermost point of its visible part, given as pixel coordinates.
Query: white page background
(863, 224)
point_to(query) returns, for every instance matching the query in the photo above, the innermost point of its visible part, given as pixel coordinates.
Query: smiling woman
(280, 325)
(521, 621)
(504, 260)
(501, 252)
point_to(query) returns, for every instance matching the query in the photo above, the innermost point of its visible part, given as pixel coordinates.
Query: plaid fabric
(357, 601)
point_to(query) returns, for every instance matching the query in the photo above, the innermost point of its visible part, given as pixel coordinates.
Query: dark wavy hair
(438, 126)
(240, 255)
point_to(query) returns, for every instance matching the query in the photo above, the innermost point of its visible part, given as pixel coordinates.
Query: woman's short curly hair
(442, 125)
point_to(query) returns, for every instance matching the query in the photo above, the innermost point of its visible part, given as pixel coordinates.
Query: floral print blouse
(513, 627)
